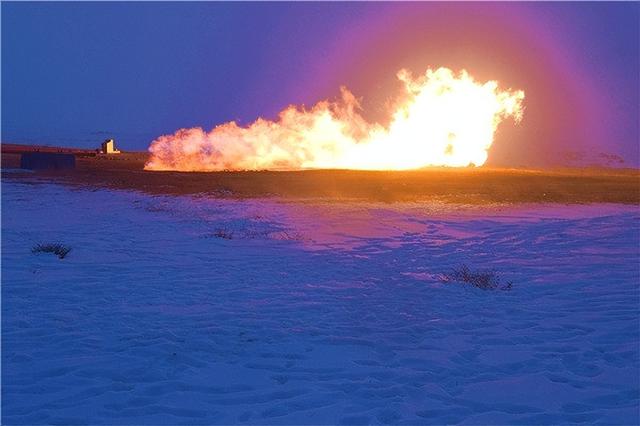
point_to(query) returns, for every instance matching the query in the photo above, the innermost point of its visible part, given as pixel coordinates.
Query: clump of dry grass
(255, 234)
(287, 236)
(485, 280)
(223, 233)
(58, 249)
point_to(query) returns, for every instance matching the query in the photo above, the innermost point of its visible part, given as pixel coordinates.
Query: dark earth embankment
(464, 185)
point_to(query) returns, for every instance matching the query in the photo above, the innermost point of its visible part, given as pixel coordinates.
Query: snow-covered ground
(314, 313)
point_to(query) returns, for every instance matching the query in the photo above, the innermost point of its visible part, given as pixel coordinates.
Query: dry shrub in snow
(223, 233)
(59, 250)
(287, 236)
(485, 280)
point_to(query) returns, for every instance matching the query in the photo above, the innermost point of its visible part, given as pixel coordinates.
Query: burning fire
(442, 119)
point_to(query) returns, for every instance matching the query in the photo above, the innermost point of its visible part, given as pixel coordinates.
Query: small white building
(109, 147)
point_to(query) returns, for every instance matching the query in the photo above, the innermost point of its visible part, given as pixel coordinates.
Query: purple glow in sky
(74, 73)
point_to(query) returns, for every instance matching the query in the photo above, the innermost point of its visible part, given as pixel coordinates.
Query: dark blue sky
(74, 73)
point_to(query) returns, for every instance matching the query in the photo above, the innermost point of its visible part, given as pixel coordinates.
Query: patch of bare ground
(449, 185)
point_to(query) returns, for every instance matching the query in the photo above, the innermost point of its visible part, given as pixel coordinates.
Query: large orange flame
(442, 119)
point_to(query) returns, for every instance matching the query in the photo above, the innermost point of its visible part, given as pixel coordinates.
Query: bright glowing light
(442, 119)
